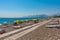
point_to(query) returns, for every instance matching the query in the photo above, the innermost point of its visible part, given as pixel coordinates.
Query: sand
(42, 33)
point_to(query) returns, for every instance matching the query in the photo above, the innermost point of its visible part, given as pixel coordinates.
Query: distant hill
(10, 20)
(56, 15)
(37, 16)
(30, 17)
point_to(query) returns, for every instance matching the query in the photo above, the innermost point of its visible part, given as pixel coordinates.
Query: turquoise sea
(10, 20)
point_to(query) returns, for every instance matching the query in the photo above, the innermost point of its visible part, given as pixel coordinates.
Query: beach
(42, 33)
(12, 28)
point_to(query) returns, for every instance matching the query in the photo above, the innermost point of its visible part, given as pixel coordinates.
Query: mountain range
(32, 16)
(37, 16)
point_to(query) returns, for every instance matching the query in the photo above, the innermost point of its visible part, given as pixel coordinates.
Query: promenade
(42, 33)
(36, 32)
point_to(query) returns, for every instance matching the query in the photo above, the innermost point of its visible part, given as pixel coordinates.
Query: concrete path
(42, 33)
(18, 35)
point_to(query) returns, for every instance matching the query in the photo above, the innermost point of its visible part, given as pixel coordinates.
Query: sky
(21, 8)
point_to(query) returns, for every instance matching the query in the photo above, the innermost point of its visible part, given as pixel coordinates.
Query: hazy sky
(19, 8)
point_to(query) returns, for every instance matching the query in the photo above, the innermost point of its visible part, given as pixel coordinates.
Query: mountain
(37, 16)
(29, 17)
(10, 20)
(56, 14)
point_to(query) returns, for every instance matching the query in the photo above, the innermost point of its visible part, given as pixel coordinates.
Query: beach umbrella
(26, 20)
(18, 21)
(43, 19)
(34, 19)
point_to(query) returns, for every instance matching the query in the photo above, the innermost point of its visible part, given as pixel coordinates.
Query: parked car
(2, 31)
(52, 26)
(53, 23)
(17, 26)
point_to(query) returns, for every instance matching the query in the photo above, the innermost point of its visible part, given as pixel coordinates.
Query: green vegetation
(56, 16)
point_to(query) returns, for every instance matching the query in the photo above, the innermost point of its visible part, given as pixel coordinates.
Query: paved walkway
(16, 37)
(42, 33)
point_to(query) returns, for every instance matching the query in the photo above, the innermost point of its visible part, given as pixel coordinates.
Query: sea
(11, 20)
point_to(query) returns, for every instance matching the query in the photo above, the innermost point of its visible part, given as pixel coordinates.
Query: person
(15, 24)
(58, 21)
